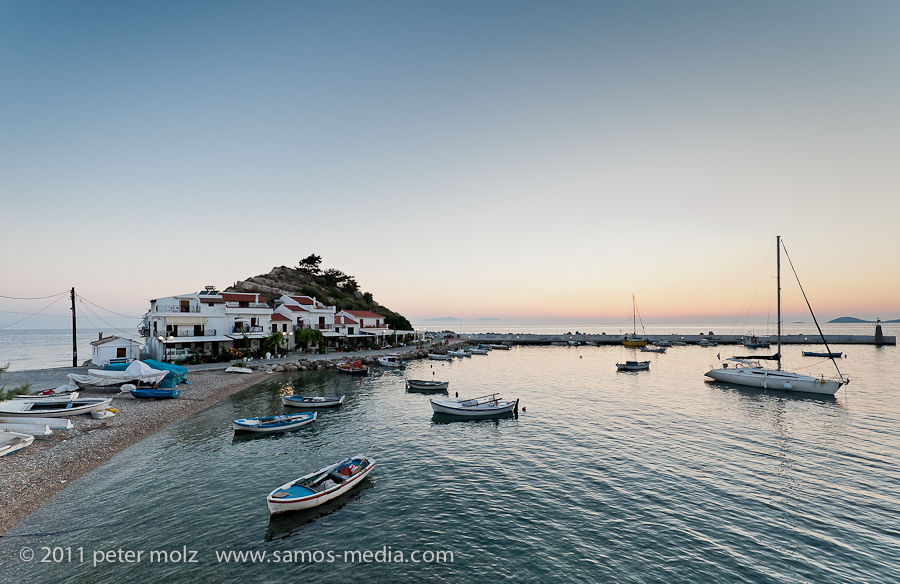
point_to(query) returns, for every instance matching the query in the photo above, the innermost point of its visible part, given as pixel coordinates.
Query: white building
(205, 322)
(106, 350)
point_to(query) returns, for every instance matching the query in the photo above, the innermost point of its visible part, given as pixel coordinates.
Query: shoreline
(33, 476)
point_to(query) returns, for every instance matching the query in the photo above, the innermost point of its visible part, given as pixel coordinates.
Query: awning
(186, 320)
(174, 340)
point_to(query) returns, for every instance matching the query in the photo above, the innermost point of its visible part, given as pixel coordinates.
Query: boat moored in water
(272, 424)
(353, 368)
(319, 486)
(478, 407)
(633, 366)
(299, 401)
(424, 385)
(395, 361)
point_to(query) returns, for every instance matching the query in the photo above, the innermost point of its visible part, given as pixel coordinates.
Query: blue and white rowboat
(281, 423)
(320, 486)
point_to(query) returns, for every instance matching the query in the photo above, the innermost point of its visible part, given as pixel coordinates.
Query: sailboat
(749, 372)
(633, 340)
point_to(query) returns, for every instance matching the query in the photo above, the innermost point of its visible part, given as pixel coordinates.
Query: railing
(169, 308)
(247, 329)
(192, 333)
(233, 304)
(324, 327)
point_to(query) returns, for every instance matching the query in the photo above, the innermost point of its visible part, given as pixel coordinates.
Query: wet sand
(32, 476)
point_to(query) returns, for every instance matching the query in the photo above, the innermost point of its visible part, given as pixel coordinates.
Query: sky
(507, 159)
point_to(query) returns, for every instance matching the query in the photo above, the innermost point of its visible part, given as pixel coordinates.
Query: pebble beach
(34, 475)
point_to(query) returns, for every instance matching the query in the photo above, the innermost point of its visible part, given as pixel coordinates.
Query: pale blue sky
(508, 159)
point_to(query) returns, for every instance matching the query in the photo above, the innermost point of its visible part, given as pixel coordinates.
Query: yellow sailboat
(633, 340)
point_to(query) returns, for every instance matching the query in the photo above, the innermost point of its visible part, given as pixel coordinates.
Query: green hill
(331, 287)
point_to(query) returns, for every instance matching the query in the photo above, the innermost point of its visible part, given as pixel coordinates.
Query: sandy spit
(30, 477)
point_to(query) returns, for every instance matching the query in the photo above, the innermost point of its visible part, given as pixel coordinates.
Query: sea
(604, 476)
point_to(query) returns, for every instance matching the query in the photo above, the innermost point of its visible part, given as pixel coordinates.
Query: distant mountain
(854, 320)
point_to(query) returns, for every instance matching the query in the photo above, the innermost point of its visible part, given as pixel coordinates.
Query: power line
(80, 297)
(110, 325)
(34, 314)
(35, 298)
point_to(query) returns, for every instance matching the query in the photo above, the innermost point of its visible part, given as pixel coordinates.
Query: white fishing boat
(424, 385)
(663, 343)
(299, 401)
(30, 429)
(53, 423)
(319, 486)
(13, 441)
(52, 408)
(748, 371)
(439, 357)
(458, 353)
(633, 366)
(478, 407)
(61, 392)
(233, 369)
(395, 361)
(271, 424)
(477, 351)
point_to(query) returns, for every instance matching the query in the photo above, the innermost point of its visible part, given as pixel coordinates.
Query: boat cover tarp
(175, 377)
(135, 371)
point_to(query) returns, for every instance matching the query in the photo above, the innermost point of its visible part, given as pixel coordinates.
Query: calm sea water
(654, 476)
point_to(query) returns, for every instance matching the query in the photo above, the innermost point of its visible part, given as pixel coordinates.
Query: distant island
(854, 320)
(453, 318)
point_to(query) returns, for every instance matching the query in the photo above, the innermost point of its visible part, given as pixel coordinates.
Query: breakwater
(604, 339)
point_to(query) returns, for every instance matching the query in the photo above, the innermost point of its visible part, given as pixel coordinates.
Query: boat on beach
(299, 401)
(137, 372)
(234, 369)
(633, 366)
(53, 423)
(61, 392)
(12, 441)
(747, 370)
(30, 429)
(477, 407)
(271, 424)
(424, 385)
(319, 486)
(154, 393)
(58, 408)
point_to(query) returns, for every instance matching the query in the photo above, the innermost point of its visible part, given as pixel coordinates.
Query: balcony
(247, 329)
(191, 333)
(178, 309)
(247, 305)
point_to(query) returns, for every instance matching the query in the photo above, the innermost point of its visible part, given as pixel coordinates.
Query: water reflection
(448, 419)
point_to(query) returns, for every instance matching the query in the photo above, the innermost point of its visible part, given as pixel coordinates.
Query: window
(120, 352)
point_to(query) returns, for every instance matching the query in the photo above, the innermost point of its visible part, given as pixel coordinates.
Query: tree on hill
(310, 264)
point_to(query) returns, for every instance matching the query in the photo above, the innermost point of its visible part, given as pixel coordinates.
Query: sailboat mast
(778, 263)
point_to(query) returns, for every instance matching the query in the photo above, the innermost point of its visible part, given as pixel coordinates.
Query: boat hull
(277, 505)
(155, 393)
(300, 402)
(447, 408)
(13, 441)
(427, 385)
(633, 366)
(273, 424)
(781, 380)
(45, 408)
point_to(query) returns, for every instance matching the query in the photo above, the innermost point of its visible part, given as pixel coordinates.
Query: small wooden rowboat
(353, 368)
(479, 407)
(13, 441)
(320, 486)
(424, 385)
(272, 424)
(298, 401)
(825, 354)
(155, 393)
(52, 408)
(633, 366)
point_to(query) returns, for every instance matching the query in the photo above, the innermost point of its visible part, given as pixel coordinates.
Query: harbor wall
(604, 339)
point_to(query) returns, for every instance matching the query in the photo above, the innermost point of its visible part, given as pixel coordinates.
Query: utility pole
(74, 342)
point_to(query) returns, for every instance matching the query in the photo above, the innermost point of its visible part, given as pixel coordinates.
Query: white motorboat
(478, 407)
(439, 357)
(748, 371)
(59, 408)
(395, 361)
(477, 351)
(319, 486)
(12, 441)
(633, 366)
(459, 353)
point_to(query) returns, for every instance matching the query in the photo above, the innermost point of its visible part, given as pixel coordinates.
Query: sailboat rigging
(633, 340)
(747, 370)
